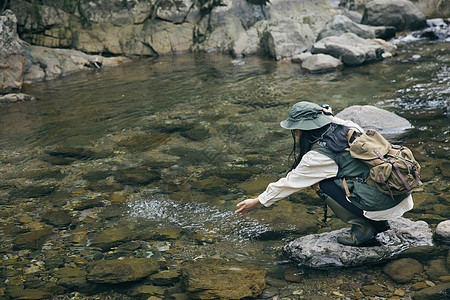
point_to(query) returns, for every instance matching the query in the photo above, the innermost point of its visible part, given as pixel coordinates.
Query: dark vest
(362, 195)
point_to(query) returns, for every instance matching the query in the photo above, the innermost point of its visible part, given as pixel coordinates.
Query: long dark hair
(332, 136)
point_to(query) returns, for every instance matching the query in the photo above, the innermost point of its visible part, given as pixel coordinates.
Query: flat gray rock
(323, 250)
(371, 117)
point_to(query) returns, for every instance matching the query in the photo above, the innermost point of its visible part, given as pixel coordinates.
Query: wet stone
(442, 232)
(196, 134)
(293, 275)
(445, 169)
(144, 142)
(118, 271)
(136, 176)
(214, 278)
(106, 188)
(372, 290)
(112, 237)
(165, 278)
(97, 175)
(57, 218)
(147, 291)
(34, 191)
(30, 294)
(437, 268)
(77, 153)
(89, 203)
(212, 184)
(57, 199)
(31, 240)
(403, 270)
(206, 236)
(72, 278)
(440, 291)
(111, 212)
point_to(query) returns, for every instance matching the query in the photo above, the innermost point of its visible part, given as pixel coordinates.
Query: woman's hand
(247, 206)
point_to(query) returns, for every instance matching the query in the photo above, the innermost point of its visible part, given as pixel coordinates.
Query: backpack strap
(347, 191)
(351, 136)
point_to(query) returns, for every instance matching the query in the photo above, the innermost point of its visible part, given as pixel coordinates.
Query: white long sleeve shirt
(315, 167)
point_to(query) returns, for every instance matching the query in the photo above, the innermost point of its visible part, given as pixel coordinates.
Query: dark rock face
(12, 55)
(322, 250)
(401, 14)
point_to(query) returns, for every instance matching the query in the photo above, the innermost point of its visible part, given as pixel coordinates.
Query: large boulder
(323, 250)
(220, 279)
(401, 14)
(340, 24)
(12, 54)
(351, 48)
(321, 63)
(371, 117)
(285, 38)
(50, 63)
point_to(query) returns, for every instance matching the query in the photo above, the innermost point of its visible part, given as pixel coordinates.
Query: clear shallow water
(210, 129)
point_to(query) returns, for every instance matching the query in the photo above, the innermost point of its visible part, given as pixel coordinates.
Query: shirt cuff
(264, 199)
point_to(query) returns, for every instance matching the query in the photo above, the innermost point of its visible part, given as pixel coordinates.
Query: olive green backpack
(393, 169)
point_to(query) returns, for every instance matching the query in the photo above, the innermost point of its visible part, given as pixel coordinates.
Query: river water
(172, 144)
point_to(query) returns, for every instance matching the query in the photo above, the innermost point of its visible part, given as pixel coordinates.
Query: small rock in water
(442, 232)
(416, 56)
(403, 270)
(238, 62)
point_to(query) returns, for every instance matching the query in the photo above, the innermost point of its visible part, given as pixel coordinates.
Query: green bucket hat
(305, 116)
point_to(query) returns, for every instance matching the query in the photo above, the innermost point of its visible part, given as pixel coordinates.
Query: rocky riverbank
(281, 29)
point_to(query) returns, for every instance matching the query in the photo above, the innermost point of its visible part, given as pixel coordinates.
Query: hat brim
(311, 124)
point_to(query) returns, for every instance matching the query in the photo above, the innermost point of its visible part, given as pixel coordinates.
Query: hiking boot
(362, 231)
(380, 226)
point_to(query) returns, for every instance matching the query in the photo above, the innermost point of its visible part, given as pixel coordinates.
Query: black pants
(331, 189)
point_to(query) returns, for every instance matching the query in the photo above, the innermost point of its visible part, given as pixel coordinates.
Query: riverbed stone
(72, 278)
(32, 240)
(136, 176)
(403, 270)
(319, 63)
(216, 278)
(401, 14)
(437, 268)
(119, 271)
(371, 117)
(323, 250)
(165, 277)
(57, 218)
(113, 237)
(442, 232)
(438, 292)
(351, 48)
(30, 294)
